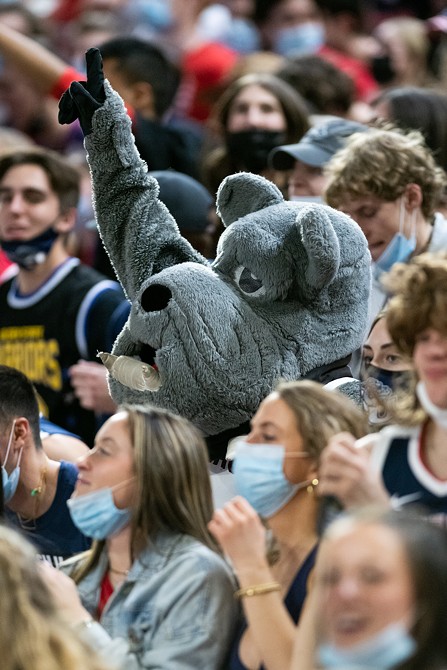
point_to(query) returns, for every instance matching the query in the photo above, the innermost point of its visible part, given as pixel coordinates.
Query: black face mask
(383, 71)
(250, 149)
(32, 252)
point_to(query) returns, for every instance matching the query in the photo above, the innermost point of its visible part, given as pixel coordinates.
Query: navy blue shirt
(293, 601)
(54, 534)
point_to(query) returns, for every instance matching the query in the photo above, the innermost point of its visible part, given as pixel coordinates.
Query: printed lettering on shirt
(26, 349)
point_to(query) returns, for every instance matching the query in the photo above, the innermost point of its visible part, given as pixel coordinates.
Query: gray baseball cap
(317, 146)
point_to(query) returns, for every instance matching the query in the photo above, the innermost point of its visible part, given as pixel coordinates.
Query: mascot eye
(247, 282)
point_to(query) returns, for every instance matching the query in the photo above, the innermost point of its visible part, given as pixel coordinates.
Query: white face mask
(438, 414)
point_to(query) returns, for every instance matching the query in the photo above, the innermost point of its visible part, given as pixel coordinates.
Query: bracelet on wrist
(257, 590)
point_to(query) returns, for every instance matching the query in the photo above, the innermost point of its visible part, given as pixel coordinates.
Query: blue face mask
(96, 515)
(399, 249)
(10, 481)
(389, 648)
(259, 477)
(157, 13)
(32, 252)
(306, 38)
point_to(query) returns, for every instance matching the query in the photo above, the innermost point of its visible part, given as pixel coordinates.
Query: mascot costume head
(285, 298)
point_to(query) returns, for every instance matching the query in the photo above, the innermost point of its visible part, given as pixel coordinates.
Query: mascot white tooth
(286, 297)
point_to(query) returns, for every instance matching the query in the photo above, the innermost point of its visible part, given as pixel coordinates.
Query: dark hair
(292, 104)
(220, 163)
(336, 7)
(412, 107)
(139, 60)
(323, 85)
(263, 9)
(425, 546)
(18, 398)
(34, 25)
(64, 178)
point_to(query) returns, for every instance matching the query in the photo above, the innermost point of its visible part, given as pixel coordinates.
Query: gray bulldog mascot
(285, 298)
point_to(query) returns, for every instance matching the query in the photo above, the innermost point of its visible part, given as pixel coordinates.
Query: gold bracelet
(257, 590)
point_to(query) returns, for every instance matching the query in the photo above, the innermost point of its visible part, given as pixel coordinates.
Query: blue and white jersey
(398, 454)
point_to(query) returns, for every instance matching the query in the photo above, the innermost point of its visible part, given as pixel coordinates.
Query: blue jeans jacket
(174, 611)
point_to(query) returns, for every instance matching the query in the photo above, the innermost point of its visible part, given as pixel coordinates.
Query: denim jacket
(175, 609)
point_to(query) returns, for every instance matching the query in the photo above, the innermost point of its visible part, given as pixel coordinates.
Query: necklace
(118, 572)
(29, 523)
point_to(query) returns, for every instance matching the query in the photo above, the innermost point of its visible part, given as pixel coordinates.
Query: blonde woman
(276, 474)
(153, 592)
(32, 635)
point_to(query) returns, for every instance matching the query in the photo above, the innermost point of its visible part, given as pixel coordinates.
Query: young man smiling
(56, 310)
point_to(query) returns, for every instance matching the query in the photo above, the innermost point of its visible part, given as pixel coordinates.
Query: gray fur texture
(287, 292)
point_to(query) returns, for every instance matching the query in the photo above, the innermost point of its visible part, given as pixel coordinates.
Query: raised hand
(345, 472)
(83, 98)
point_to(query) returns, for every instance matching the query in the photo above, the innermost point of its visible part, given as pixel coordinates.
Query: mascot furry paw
(286, 296)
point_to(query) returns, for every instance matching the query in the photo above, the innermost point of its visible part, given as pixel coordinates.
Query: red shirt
(365, 84)
(106, 592)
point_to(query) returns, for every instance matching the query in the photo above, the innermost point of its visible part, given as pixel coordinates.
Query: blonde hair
(32, 634)
(320, 413)
(382, 162)
(173, 490)
(411, 32)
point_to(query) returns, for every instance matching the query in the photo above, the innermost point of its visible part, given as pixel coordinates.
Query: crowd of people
(326, 547)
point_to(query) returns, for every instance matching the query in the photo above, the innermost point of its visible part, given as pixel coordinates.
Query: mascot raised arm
(285, 298)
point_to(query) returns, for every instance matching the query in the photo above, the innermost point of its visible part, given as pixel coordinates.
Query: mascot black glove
(83, 98)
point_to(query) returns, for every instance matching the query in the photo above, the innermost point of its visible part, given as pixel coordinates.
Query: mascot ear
(244, 193)
(321, 245)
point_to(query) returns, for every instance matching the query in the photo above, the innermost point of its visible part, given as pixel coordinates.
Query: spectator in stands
(327, 89)
(35, 487)
(388, 181)
(255, 114)
(32, 634)
(304, 162)
(379, 596)
(405, 463)
(153, 591)
(276, 476)
(55, 311)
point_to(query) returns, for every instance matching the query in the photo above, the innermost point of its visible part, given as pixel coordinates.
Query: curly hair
(382, 162)
(419, 301)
